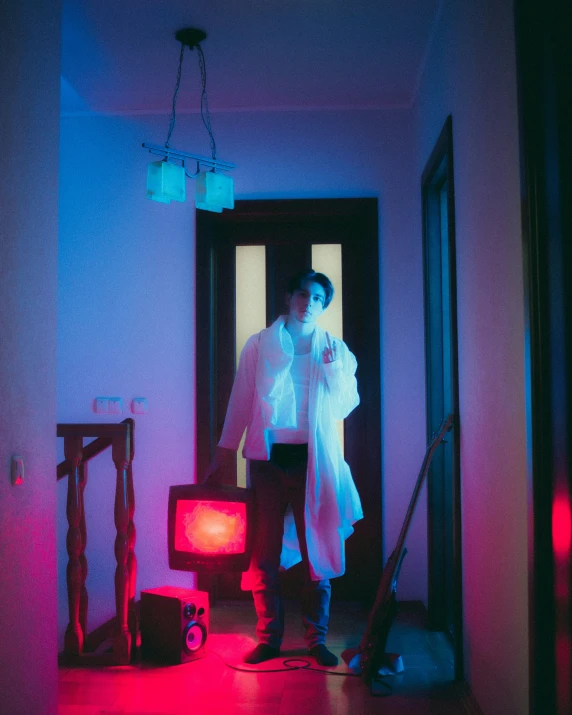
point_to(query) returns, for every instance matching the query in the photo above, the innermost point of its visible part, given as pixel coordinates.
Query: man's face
(307, 302)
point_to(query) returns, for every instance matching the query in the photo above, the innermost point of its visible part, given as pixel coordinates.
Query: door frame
(439, 169)
(363, 337)
(544, 67)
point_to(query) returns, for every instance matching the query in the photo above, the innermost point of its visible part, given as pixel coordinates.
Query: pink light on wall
(561, 526)
(561, 544)
(210, 527)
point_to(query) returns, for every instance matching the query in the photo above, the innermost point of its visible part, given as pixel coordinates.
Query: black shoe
(323, 656)
(262, 652)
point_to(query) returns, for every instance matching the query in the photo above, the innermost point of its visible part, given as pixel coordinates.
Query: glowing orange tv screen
(210, 527)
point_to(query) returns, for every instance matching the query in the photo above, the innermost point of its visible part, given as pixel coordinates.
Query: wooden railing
(113, 645)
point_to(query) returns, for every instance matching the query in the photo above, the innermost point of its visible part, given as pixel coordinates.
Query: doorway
(290, 236)
(442, 393)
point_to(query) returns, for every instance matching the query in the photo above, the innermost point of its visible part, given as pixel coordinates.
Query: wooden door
(287, 229)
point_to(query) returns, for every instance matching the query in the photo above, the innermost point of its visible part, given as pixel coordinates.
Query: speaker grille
(194, 637)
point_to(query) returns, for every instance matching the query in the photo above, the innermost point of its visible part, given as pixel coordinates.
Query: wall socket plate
(101, 405)
(108, 405)
(115, 405)
(139, 405)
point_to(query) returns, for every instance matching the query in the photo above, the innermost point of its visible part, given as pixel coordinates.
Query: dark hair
(295, 283)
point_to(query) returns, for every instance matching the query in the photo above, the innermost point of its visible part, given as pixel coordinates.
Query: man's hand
(331, 350)
(223, 459)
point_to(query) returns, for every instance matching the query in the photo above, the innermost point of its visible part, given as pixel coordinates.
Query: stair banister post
(74, 635)
(83, 597)
(131, 558)
(121, 454)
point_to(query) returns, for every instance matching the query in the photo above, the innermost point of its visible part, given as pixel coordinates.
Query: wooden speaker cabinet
(174, 624)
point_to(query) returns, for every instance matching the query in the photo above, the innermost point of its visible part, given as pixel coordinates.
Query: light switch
(17, 469)
(139, 405)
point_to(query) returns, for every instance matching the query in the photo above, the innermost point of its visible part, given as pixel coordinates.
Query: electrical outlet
(139, 405)
(115, 405)
(101, 405)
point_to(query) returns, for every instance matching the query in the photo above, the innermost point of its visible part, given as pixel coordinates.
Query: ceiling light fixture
(166, 178)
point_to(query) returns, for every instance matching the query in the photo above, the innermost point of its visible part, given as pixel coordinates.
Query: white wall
(126, 299)
(29, 121)
(471, 74)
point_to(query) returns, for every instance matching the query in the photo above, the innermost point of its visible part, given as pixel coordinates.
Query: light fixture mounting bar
(190, 36)
(215, 164)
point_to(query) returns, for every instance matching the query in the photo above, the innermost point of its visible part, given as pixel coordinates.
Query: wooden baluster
(73, 639)
(120, 452)
(83, 598)
(131, 558)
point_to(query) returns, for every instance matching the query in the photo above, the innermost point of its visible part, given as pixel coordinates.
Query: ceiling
(122, 57)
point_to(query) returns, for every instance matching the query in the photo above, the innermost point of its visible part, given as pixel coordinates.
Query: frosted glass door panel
(327, 259)
(250, 293)
(250, 313)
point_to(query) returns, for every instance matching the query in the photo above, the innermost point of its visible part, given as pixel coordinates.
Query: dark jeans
(277, 483)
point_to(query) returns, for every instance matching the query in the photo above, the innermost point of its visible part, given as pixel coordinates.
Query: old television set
(210, 528)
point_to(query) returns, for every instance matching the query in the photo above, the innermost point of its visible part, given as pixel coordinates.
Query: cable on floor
(288, 664)
(303, 664)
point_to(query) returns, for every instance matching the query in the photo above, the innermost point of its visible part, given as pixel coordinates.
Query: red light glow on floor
(210, 527)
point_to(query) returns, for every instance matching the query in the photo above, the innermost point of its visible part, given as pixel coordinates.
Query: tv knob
(189, 610)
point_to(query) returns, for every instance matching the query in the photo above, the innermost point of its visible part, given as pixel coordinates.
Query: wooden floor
(210, 687)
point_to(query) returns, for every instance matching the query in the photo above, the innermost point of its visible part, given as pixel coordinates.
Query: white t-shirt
(300, 373)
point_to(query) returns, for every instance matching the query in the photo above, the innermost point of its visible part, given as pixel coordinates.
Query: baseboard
(418, 611)
(470, 704)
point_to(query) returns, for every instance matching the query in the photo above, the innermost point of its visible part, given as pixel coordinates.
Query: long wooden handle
(391, 569)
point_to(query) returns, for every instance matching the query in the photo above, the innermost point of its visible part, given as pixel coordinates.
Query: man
(293, 382)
